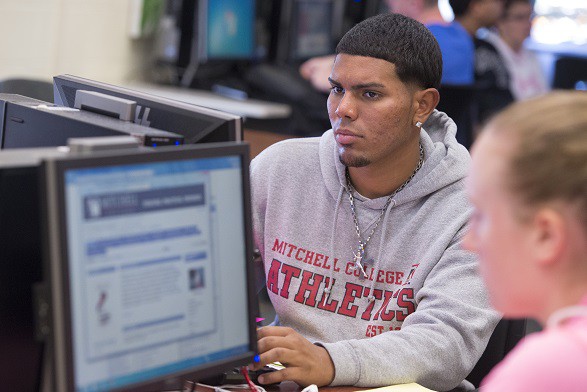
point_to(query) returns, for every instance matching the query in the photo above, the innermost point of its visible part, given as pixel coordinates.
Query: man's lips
(344, 136)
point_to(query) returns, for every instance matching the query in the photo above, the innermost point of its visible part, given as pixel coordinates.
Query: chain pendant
(359, 255)
(358, 258)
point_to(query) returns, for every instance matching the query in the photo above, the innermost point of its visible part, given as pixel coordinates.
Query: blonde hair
(548, 159)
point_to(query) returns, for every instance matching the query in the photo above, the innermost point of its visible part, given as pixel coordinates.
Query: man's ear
(549, 236)
(425, 102)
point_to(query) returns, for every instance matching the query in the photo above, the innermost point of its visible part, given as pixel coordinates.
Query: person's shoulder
(289, 148)
(544, 360)
(557, 342)
(444, 28)
(286, 154)
(535, 347)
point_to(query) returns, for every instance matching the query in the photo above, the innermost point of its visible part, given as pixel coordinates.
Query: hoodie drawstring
(371, 296)
(328, 288)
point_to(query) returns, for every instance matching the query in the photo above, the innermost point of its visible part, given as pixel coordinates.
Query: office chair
(568, 71)
(33, 88)
(506, 335)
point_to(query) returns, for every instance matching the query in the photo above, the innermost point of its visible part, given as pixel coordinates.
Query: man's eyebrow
(360, 86)
(333, 81)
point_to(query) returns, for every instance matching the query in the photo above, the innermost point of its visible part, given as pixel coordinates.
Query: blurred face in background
(514, 27)
(487, 12)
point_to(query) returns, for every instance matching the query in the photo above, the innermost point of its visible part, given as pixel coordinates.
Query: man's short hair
(459, 7)
(402, 41)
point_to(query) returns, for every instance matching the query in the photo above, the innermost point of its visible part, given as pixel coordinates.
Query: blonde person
(528, 185)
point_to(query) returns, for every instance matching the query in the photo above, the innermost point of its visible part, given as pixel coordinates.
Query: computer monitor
(150, 266)
(358, 10)
(307, 28)
(197, 124)
(216, 41)
(226, 30)
(27, 123)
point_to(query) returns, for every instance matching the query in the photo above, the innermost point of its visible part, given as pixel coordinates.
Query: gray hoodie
(421, 314)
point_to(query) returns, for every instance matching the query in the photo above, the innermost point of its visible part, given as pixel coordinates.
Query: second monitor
(196, 124)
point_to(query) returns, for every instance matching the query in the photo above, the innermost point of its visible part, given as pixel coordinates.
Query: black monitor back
(20, 256)
(570, 73)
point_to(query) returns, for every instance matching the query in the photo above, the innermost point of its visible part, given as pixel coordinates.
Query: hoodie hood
(445, 162)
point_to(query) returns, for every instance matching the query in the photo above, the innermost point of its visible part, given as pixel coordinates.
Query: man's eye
(371, 94)
(336, 89)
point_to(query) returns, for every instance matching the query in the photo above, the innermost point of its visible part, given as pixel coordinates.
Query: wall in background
(88, 38)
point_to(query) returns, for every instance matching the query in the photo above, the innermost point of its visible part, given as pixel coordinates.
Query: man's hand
(305, 362)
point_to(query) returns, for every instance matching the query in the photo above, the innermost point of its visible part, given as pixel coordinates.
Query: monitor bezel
(56, 257)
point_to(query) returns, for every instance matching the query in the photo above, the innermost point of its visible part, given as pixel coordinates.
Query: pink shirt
(552, 360)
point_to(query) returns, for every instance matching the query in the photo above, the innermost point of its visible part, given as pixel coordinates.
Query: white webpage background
(209, 316)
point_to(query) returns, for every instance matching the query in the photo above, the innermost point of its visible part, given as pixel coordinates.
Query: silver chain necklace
(362, 245)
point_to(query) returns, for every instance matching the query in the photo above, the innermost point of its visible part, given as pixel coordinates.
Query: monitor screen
(227, 29)
(307, 28)
(150, 267)
(356, 11)
(197, 124)
(312, 30)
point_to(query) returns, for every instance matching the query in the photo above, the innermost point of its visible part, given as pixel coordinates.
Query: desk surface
(247, 108)
(290, 386)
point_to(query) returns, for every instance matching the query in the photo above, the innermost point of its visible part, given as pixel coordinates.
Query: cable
(245, 373)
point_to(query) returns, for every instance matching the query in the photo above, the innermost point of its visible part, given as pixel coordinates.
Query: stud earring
(419, 124)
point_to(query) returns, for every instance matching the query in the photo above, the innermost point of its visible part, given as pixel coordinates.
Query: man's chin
(351, 161)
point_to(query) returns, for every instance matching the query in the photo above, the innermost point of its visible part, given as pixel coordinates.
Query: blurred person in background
(492, 80)
(527, 77)
(456, 45)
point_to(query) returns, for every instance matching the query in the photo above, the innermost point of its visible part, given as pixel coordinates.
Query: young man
(359, 230)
